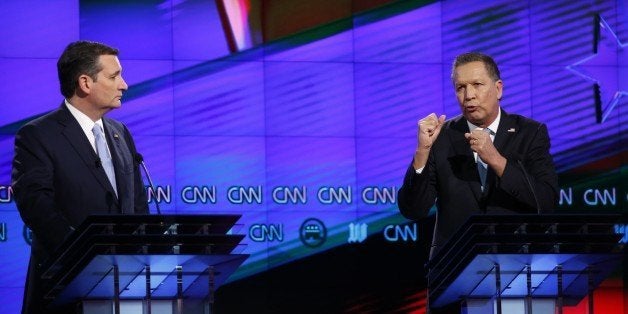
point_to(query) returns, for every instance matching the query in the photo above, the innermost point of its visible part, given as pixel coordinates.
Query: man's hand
(480, 142)
(429, 128)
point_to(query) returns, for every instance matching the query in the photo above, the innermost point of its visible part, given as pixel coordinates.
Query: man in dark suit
(74, 162)
(518, 174)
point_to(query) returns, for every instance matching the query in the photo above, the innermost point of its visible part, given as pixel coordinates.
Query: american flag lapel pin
(511, 130)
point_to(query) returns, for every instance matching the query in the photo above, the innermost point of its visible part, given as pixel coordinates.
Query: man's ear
(85, 83)
(500, 88)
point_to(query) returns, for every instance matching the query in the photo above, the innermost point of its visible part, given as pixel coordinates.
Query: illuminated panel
(31, 95)
(11, 299)
(141, 30)
(234, 165)
(390, 99)
(309, 99)
(26, 28)
(334, 106)
(337, 47)
(159, 158)
(498, 28)
(576, 119)
(517, 90)
(561, 36)
(561, 31)
(222, 98)
(196, 31)
(6, 157)
(379, 163)
(15, 252)
(326, 166)
(413, 36)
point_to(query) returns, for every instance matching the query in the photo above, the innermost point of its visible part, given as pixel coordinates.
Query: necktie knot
(96, 129)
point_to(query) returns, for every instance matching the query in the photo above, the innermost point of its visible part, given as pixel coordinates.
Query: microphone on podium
(530, 187)
(140, 160)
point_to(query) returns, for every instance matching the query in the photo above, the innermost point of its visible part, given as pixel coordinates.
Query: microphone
(140, 160)
(529, 183)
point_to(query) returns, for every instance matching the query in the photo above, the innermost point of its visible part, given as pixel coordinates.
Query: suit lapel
(75, 136)
(507, 128)
(468, 169)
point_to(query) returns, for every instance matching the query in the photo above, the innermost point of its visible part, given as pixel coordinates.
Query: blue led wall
(321, 124)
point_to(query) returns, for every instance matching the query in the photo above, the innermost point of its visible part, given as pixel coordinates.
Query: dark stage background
(301, 116)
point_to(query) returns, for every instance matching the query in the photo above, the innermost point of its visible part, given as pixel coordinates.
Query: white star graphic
(604, 70)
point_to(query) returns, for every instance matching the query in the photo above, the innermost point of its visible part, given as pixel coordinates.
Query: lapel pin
(115, 135)
(511, 130)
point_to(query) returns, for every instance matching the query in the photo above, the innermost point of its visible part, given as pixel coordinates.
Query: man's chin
(111, 107)
(114, 105)
(474, 117)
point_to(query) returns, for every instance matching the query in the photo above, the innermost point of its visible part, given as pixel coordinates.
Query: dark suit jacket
(57, 182)
(450, 179)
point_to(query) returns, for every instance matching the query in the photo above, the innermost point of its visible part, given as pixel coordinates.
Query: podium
(144, 264)
(525, 263)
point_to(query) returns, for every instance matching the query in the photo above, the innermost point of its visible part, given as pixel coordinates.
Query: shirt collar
(86, 122)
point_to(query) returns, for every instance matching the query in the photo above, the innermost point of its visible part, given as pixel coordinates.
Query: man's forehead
(470, 71)
(108, 58)
(109, 63)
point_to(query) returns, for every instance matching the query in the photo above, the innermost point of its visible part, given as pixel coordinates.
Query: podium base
(509, 306)
(139, 307)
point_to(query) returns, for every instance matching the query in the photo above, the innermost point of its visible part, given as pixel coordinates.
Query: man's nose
(123, 85)
(469, 92)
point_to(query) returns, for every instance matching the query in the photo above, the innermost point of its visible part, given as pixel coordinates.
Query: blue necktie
(482, 166)
(105, 157)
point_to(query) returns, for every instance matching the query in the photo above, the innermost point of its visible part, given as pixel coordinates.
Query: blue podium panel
(96, 280)
(142, 257)
(533, 257)
(577, 272)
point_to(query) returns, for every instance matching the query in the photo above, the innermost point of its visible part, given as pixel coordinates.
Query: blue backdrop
(321, 123)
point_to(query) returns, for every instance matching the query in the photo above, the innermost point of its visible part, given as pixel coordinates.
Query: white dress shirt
(86, 124)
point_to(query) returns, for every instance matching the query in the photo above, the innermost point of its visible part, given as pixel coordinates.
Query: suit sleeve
(140, 201)
(538, 167)
(34, 189)
(417, 195)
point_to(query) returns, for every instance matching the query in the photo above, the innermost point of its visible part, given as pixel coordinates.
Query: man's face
(106, 90)
(477, 93)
